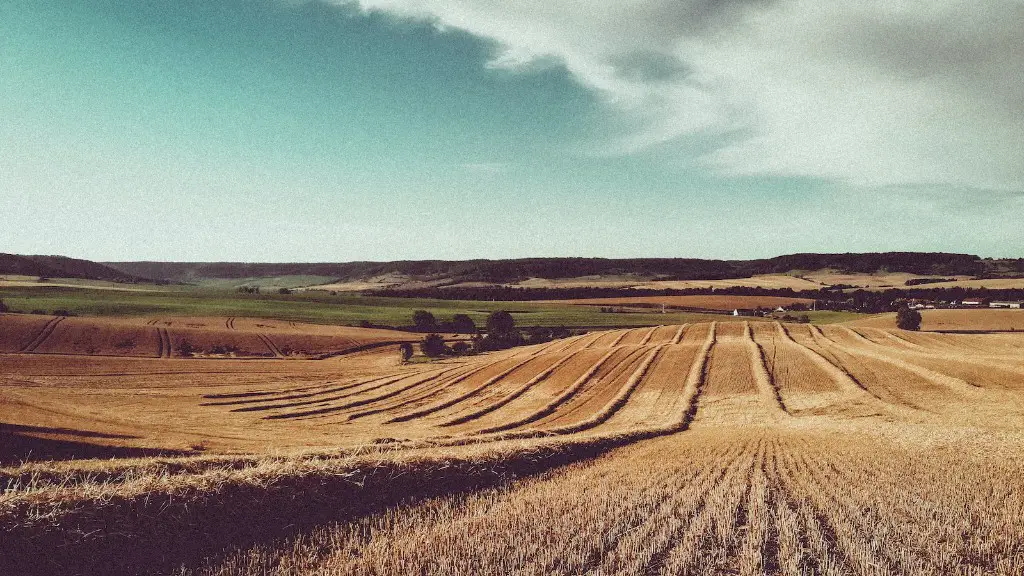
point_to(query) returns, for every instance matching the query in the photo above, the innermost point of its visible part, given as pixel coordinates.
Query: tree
(3, 307)
(284, 291)
(433, 345)
(406, 348)
(423, 320)
(907, 319)
(463, 324)
(500, 322)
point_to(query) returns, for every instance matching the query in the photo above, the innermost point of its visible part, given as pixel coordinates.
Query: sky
(300, 130)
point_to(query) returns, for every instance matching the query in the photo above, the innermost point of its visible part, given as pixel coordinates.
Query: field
(958, 320)
(726, 448)
(318, 307)
(721, 303)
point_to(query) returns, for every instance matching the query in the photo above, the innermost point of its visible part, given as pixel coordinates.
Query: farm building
(973, 302)
(1007, 304)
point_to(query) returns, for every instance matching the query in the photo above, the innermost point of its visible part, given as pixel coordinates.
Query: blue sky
(291, 130)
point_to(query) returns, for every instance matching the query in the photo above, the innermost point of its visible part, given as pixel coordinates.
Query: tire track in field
(361, 401)
(514, 394)
(152, 322)
(348, 391)
(422, 395)
(648, 336)
(847, 382)
(619, 339)
(607, 382)
(553, 405)
(697, 378)
(270, 345)
(467, 395)
(1008, 363)
(165, 342)
(298, 393)
(679, 334)
(952, 383)
(616, 403)
(848, 363)
(844, 380)
(766, 385)
(43, 334)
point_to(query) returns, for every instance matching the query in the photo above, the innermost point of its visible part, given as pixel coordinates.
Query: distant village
(965, 303)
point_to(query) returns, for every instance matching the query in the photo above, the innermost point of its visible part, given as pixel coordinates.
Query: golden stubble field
(727, 448)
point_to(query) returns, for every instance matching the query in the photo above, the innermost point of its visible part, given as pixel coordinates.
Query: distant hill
(446, 273)
(63, 267)
(517, 270)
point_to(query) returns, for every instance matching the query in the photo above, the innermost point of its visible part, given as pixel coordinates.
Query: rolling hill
(441, 272)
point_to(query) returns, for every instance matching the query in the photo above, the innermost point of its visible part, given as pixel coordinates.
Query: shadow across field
(159, 531)
(19, 443)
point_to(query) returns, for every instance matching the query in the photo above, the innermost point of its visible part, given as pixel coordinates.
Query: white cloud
(869, 93)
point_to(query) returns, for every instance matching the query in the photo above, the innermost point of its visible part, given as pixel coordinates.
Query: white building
(1008, 304)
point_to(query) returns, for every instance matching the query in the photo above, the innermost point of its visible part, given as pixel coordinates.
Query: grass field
(320, 307)
(724, 448)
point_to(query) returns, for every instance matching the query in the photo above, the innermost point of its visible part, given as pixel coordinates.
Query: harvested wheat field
(710, 448)
(957, 320)
(175, 337)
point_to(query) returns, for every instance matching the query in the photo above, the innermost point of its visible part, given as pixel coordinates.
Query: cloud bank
(872, 93)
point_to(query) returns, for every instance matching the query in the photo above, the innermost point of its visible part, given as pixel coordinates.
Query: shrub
(463, 324)
(284, 291)
(433, 345)
(185, 348)
(907, 319)
(500, 322)
(423, 320)
(501, 341)
(460, 348)
(405, 349)
(539, 335)
(3, 307)
(62, 312)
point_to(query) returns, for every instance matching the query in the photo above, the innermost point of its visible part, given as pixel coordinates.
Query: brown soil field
(166, 337)
(724, 303)
(964, 319)
(724, 448)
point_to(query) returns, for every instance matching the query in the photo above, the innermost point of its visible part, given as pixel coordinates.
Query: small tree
(907, 319)
(405, 349)
(3, 307)
(500, 322)
(423, 320)
(433, 345)
(463, 324)
(284, 291)
(186, 349)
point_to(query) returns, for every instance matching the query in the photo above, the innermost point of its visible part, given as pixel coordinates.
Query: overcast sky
(293, 130)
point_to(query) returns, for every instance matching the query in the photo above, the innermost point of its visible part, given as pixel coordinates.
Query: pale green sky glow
(274, 130)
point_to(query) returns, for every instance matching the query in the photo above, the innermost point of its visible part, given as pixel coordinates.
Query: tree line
(500, 332)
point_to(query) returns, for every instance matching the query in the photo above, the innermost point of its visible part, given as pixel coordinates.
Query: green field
(323, 308)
